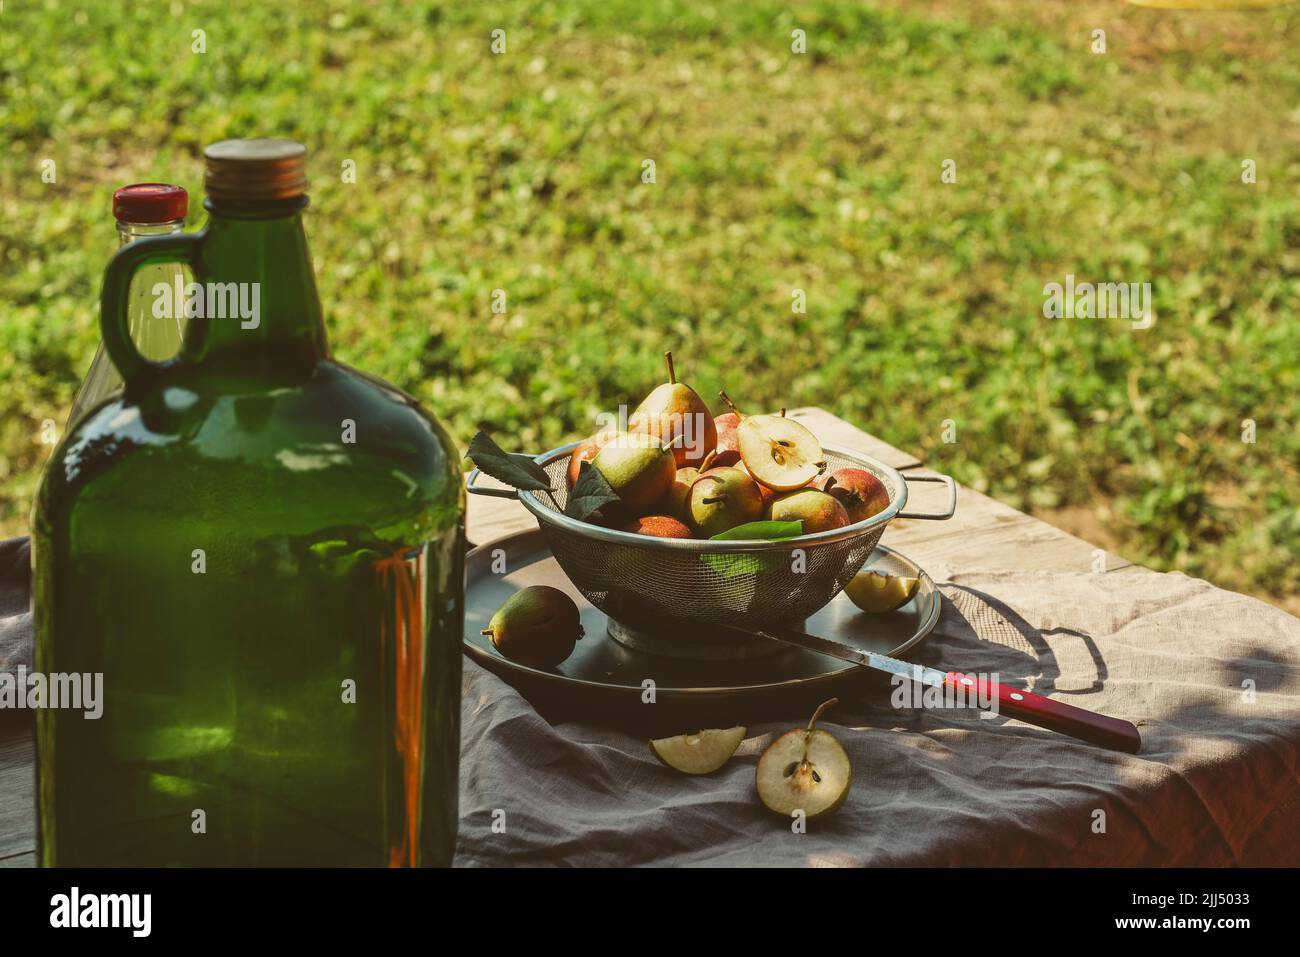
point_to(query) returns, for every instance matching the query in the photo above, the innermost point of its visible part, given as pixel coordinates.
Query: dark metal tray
(605, 678)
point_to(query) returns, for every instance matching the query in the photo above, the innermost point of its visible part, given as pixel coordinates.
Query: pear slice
(877, 593)
(700, 753)
(779, 452)
(804, 770)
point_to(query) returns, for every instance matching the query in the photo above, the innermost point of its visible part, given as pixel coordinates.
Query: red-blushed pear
(586, 451)
(726, 425)
(726, 457)
(676, 503)
(658, 526)
(861, 493)
(640, 472)
(763, 490)
(719, 458)
(804, 770)
(817, 510)
(779, 452)
(677, 416)
(722, 499)
(537, 626)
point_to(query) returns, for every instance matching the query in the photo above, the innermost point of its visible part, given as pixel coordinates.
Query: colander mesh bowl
(663, 583)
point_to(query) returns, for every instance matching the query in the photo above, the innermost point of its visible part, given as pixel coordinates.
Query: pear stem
(783, 412)
(672, 372)
(812, 723)
(486, 631)
(818, 713)
(722, 393)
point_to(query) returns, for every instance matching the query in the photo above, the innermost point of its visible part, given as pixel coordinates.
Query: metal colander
(666, 584)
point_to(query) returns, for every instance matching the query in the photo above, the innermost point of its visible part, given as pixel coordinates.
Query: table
(992, 539)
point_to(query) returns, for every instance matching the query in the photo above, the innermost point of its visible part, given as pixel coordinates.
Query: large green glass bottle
(261, 550)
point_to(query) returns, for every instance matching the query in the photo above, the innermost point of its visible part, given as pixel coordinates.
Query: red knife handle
(1046, 713)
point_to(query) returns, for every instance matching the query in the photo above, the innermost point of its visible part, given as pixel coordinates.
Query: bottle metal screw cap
(150, 203)
(255, 170)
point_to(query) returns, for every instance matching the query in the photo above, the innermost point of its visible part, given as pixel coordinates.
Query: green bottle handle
(135, 369)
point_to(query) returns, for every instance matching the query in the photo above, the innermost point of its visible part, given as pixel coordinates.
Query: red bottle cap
(150, 203)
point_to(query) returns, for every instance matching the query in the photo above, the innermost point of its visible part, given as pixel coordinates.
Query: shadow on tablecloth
(1211, 678)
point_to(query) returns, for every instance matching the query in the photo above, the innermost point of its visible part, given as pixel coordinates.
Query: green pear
(537, 626)
(818, 511)
(639, 469)
(724, 498)
(677, 416)
(587, 450)
(679, 493)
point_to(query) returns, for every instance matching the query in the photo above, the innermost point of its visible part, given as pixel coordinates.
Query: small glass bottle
(142, 209)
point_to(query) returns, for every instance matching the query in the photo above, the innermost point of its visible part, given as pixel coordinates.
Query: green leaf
(770, 531)
(589, 493)
(517, 471)
(731, 566)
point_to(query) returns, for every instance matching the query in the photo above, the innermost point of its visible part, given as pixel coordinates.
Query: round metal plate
(605, 674)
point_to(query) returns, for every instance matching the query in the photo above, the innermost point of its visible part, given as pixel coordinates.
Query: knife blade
(976, 690)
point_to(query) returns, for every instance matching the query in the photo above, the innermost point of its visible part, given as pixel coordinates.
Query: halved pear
(877, 593)
(700, 753)
(779, 452)
(804, 770)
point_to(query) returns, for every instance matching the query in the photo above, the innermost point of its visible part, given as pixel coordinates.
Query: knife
(1025, 705)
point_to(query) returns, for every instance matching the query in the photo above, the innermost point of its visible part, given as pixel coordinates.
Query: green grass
(775, 171)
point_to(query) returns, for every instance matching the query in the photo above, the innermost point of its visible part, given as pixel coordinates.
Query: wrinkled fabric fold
(1217, 781)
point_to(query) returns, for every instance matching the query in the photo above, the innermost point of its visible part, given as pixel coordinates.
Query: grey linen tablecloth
(15, 614)
(1212, 678)
(1217, 781)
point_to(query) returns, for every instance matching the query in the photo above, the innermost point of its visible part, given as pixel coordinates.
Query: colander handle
(473, 488)
(934, 516)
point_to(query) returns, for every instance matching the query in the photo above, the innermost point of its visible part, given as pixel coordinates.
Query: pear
(804, 770)
(700, 753)
(679, 493)
(724, 498)
(818, 511)
(767, 494)
(658, 526)
(677, 416)
(537, 626)
(726, 424)
(720, 457)
(779, 452)
(859, 491)
(639, 469)
(876, 593)
(586, 451)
